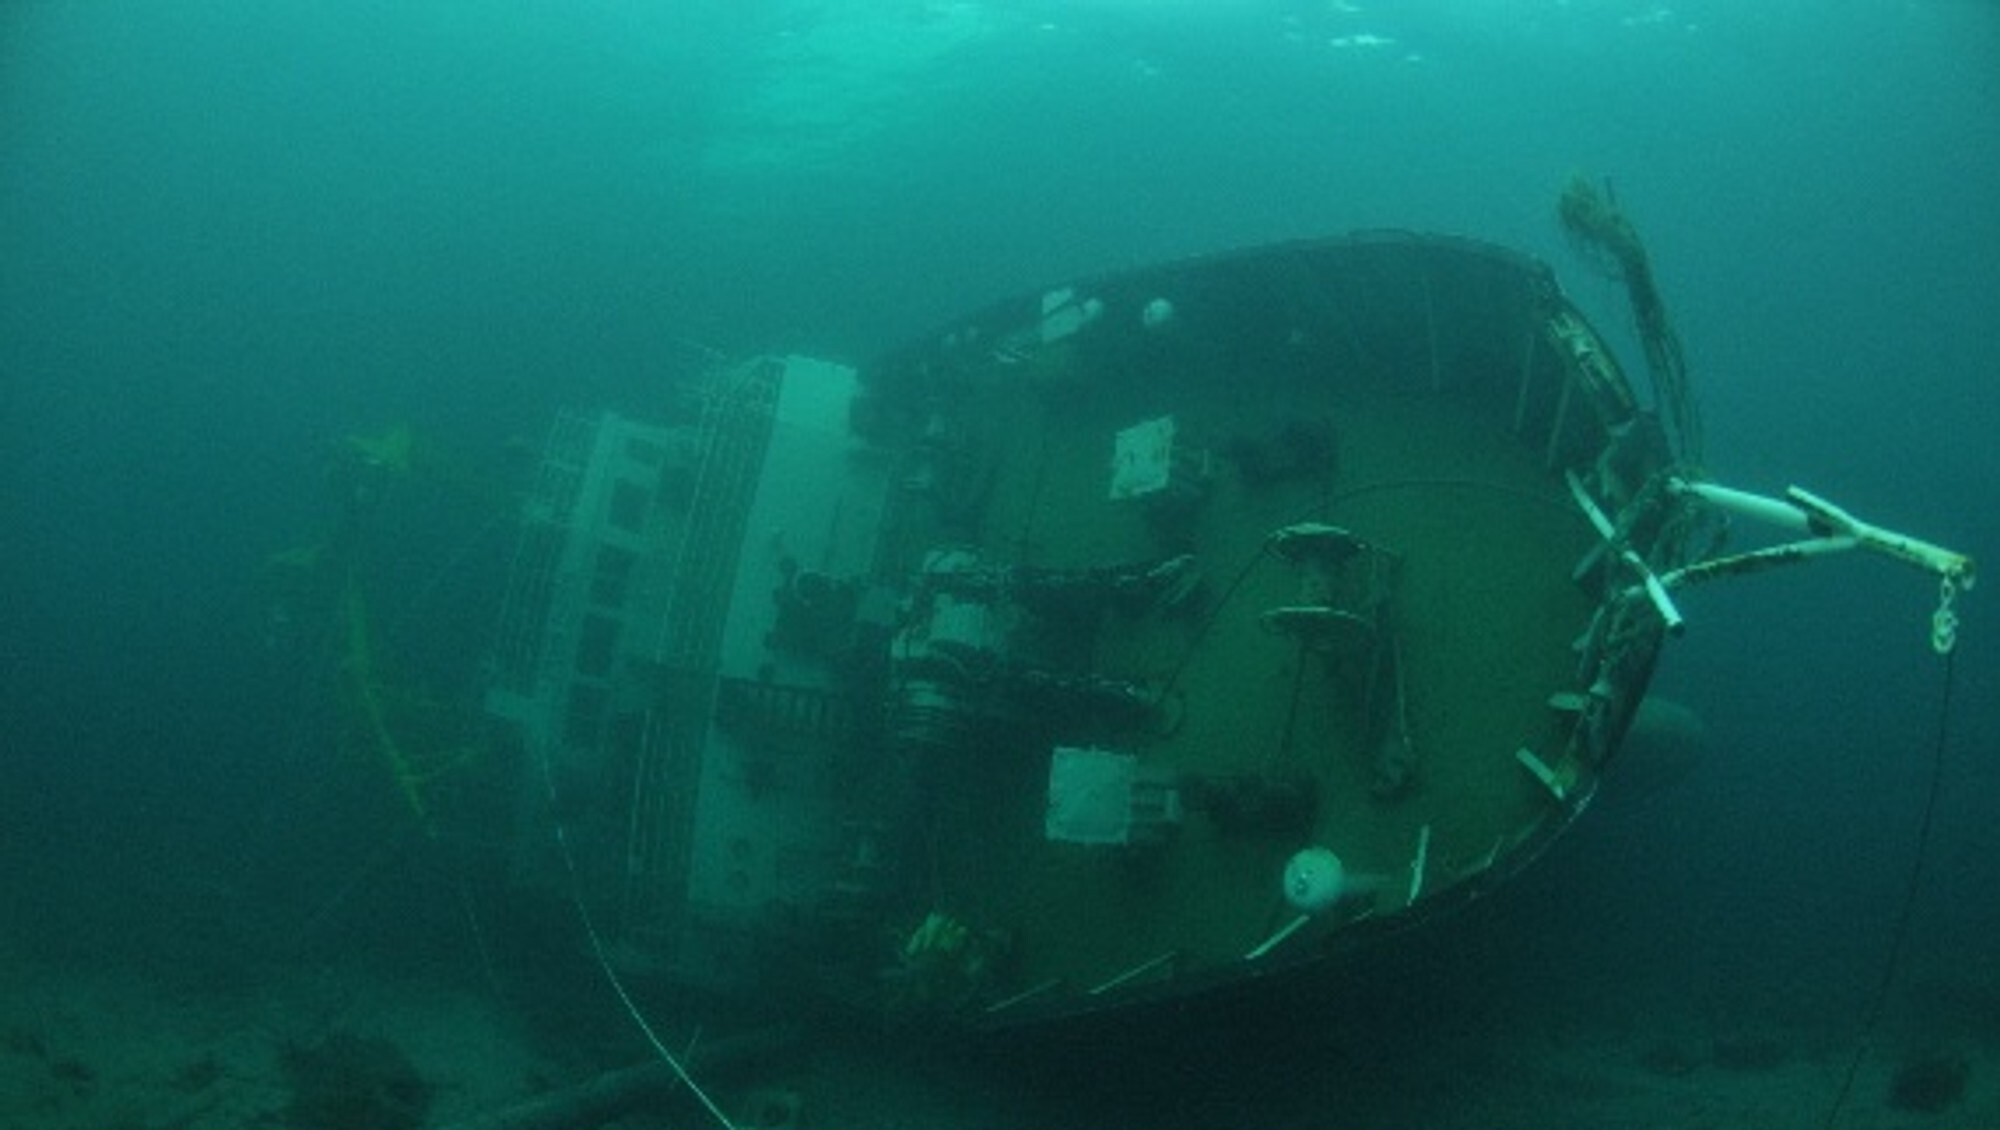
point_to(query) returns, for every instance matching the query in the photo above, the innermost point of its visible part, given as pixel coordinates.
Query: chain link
(1944, 621)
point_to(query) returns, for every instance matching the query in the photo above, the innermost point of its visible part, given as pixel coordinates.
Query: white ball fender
(1314, 880)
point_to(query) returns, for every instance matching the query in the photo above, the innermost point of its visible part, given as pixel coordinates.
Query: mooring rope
(617, 983)
(1898, 940)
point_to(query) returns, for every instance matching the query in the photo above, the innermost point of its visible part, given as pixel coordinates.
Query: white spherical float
(1157, 315)
(1316, 881)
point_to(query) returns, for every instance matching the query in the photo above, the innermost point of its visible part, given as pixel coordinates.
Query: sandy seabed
(97, 1048)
